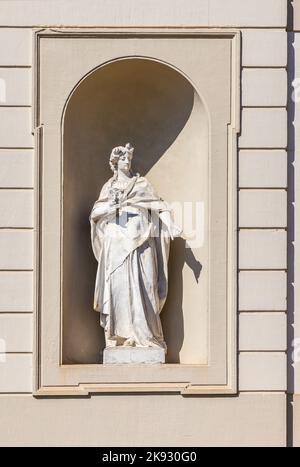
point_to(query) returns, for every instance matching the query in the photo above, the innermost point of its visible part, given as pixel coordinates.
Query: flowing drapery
(131, 245)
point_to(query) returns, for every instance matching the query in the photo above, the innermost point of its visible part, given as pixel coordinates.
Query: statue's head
(120, 158)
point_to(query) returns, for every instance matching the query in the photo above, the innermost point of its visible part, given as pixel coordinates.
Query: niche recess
(158, 110)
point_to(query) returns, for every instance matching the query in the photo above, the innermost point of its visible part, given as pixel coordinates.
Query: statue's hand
(114, 203)
(173, 229)
(112, 209)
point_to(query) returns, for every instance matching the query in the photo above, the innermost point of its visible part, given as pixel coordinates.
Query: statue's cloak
(131, 245)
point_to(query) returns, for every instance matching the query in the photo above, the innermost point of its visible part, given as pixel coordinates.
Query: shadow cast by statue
(172, 314)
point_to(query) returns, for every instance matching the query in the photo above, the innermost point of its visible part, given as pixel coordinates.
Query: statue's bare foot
(129, 342)
(111, 343)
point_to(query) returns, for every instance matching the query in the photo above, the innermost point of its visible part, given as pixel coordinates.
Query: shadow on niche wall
(148, 104)
(172, 316)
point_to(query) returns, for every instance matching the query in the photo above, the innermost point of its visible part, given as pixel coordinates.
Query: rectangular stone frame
(210, 378)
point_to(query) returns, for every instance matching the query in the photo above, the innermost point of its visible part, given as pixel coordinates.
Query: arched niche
(158, 110)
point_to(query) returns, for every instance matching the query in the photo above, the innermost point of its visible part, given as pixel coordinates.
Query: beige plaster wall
(255, 417)
(252, 419)
(257, 13)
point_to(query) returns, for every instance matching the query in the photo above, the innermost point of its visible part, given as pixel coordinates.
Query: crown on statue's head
(118, 150)
(129, 148)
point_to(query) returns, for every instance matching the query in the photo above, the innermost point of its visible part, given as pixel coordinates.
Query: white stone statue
(131, 227)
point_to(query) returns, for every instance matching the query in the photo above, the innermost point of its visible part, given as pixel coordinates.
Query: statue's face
(124, 162)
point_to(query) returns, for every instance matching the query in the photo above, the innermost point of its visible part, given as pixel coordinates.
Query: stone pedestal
(120, 355)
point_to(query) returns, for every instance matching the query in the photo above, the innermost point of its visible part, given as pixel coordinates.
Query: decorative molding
(86, 390)
(185, 388)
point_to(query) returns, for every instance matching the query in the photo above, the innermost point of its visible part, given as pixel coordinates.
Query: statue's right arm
(102, 209)
(99, 210)
(101, 206)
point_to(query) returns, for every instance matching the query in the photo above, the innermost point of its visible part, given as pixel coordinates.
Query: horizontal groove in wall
(17, 228)
(15, 353)
(17, 312)
(256, 107)
(263, 188)
(241, 312)
(260, 107)
(262, 269)
(262, 228)
(245, 391)
(264, 67)
(4, 188)
(17, 147)
(25, 188)
(17, 270)
(14, 149)
(15, 106)
(265, 150)
(257, 148)
(262, 351)
(16, 66)
(9, 270)
(248, 391)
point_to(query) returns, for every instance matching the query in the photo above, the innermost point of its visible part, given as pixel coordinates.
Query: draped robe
(131, 245)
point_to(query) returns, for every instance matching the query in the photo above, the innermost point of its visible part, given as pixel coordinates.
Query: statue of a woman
(131, 227)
